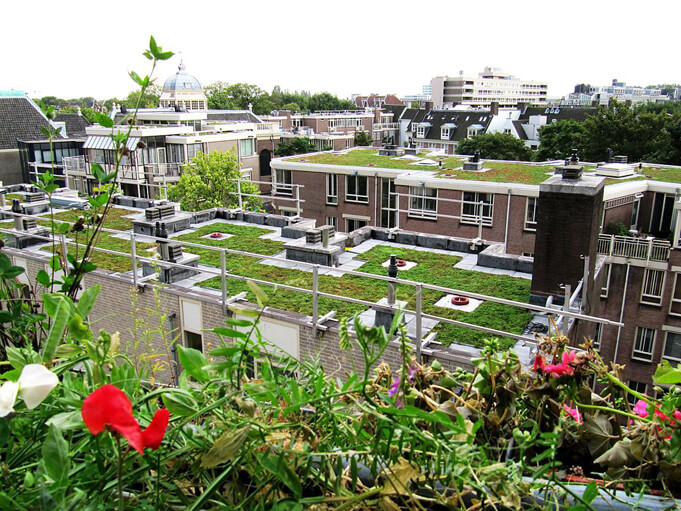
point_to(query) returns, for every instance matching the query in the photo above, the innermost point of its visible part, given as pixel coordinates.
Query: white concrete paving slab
(446, 303)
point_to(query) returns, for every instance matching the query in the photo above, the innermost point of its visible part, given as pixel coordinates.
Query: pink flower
(574, 413)
(564, 368)
(641, 409)
(538, 363)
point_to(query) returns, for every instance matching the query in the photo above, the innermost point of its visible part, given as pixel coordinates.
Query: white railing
(74, 164)
(386, 126)
(649, 249)
(163, 169)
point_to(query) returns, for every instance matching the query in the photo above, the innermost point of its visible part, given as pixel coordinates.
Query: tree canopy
(558, 139)
(297, 145)
(362, 138)
(495, 146)
(209, 181)
(150, 99)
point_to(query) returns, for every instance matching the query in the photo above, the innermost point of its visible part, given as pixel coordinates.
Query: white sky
(74, 48)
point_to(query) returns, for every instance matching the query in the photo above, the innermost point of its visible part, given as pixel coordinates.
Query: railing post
(297, 200)
(133, 252)
(315, 299)
(650, 249)
(223, 279)
(611, 245)
(397, 212)
(238, 191)
(480, 219)
(566, 307)
(419, 319)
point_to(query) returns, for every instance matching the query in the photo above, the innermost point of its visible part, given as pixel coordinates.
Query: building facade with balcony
(633, 279)
(492, 85)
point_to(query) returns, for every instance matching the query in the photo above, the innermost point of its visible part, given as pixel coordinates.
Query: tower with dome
(183, 91)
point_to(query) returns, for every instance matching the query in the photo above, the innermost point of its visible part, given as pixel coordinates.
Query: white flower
(8, 395)
(35, 383)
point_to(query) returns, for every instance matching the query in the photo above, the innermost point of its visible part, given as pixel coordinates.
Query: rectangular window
(332, 189)
(605, 287)
(193, 150)
(675, 305)
(332, 220)
(246, 147)
(353, 224)
(356, 189)
(596, 341)
(282, 182)
(653, 282)
(422, 202)
(636, 386)
(531, 214)
(672, 346)
(444, 135)
(193, 340)
(420, 131)
(644, 344)
(472, 211)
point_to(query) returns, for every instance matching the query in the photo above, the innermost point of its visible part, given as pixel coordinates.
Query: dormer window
(444, 133)
(420, 131)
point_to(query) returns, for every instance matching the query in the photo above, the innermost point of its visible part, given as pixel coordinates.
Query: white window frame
(279, 182)
(444, 133)
(332, 220)
(605, 288)
(676, 301)
(474, 216)
(420, 131)
(419, 202)
(639, 353)
(531, 214)
(598, 336)
(356, 197)
(640, 387)
(332, 189)
(348, 220)
(653, 287)
(664, 348)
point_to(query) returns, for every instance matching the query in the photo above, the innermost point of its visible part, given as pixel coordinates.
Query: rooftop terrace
(531, 173)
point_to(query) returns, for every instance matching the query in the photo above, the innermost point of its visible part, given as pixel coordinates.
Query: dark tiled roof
(518, 125)
(19, 119)
(75, 124)
(462, 118)
(559, 113)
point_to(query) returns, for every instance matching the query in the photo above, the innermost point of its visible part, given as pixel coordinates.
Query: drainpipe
(173, 348)
(376, 199)
(624, 300)
(508, 215)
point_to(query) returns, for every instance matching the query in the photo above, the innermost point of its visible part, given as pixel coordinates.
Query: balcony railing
(74, 164)
(163, 169)
(649, 249)
(386, 126)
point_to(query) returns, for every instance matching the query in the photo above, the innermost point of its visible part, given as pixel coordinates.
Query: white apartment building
(492, 85)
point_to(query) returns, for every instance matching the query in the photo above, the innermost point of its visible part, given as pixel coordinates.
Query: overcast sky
(85, 48)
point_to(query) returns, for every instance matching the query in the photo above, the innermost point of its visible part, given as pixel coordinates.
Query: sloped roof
(233, 115)
(559, 113)
(520, 131)
(20, 119)
(75, 124)
(462, 119)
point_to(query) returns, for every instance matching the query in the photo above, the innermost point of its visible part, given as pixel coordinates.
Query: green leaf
(666, 374)
(135, 77)
(193, 362)
(165, 55)
(104, 120)
(43, 278)
(257, 291)
(225, 448)
(277, 465)
(153, 47)
(52, 302)
(19, 357)
(238, 322)
(61, 319)
(56, 456)
(180, 403)
(597, 432)
(87, 300)
(63, 228)
(228, 332)
(79, 330)
(590, 492)
(66, 420)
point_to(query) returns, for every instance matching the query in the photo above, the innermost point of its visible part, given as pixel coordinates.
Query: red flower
(641, 409)
(538, 363)
(565, 367)
(109, 408)
(153, 435)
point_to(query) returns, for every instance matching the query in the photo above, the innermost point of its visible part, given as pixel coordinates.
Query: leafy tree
(218, 96)
(297, 145)
(86, 112)
(293, 107)
(495, 146)
(362, 138)
(210, 181)
(150, 99)
(558, 139)
(327, 101)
